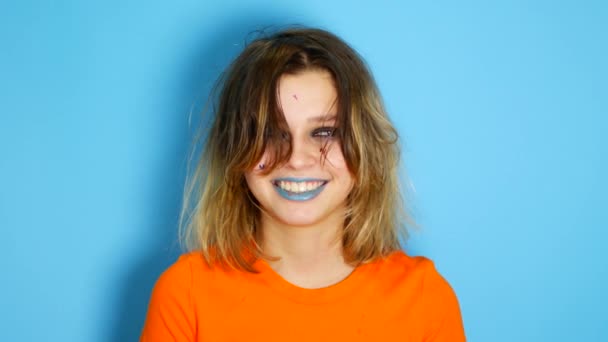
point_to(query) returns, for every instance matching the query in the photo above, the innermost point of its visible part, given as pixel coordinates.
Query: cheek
(255, 185)
(262, 163)
(255, 178)
(335, 158)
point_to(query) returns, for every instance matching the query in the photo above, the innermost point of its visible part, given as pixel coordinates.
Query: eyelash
(324, 132)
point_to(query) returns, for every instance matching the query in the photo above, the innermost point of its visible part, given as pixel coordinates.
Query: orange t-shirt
(400, 298)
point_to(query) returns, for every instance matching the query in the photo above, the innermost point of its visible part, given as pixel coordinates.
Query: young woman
(293, 216)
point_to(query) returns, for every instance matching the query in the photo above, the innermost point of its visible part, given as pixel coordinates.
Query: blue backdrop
(502, 107)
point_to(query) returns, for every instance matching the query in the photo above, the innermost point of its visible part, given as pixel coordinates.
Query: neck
(310, 256)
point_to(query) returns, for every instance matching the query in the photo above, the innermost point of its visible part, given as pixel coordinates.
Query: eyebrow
(322, 118)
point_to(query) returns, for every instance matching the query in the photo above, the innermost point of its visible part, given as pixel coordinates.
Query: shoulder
(176, 282)
(191, 270)
(190, 279)
(438, 300)
(171, 310)
(401, 266)
(178, 296)
(182, 272)
(415, 269)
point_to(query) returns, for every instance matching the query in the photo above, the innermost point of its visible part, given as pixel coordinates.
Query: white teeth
(299, 186)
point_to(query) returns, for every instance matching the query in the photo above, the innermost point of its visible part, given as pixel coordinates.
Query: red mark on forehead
(295, 96)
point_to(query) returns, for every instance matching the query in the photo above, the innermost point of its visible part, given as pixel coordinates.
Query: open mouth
(299, 187)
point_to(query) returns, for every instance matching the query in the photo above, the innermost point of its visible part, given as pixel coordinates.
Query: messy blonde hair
(220, 216)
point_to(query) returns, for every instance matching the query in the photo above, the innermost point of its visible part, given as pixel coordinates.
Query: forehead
(308, 96)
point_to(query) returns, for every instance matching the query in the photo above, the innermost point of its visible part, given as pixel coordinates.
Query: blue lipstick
(299, 196)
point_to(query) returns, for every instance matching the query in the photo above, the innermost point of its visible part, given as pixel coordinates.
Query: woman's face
(308, 189)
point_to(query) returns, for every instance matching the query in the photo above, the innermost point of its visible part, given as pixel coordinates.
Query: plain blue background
(502, 107)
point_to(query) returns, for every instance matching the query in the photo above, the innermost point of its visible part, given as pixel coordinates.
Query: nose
(304, 154)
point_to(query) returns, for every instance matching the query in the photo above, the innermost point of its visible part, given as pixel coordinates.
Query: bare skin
(310, 257)
(303, 234)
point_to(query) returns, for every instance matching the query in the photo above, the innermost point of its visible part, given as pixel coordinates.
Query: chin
(298, 221)
(302, 219)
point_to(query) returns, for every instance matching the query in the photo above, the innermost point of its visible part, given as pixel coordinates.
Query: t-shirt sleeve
(445, 324)
(170, 311)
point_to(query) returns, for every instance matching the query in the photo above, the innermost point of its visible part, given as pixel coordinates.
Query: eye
(324, 132)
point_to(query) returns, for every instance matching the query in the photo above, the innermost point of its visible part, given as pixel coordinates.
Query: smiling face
(312, 186)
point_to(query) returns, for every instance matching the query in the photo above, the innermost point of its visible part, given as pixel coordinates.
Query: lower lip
(299, 196)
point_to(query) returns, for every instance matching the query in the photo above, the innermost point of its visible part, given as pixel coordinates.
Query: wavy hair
(220, 216)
